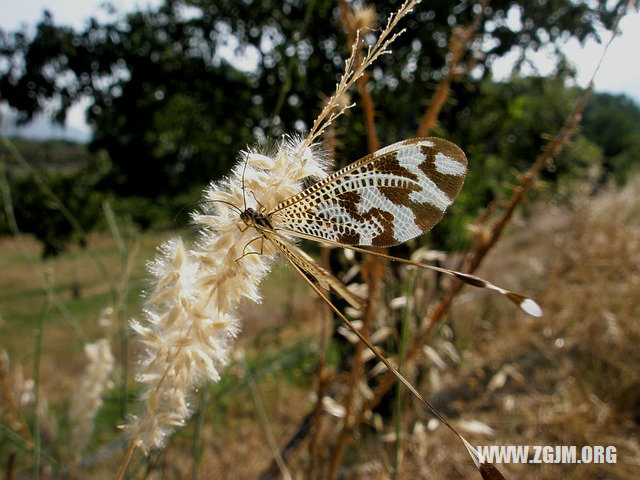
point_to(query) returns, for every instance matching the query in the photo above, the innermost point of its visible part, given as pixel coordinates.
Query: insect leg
(262, 207)
(244, 250)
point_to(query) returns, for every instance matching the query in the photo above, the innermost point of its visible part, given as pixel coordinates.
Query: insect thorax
(255, 219)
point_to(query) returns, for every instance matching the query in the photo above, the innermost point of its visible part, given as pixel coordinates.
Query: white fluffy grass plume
(87, 399)
(190, 315)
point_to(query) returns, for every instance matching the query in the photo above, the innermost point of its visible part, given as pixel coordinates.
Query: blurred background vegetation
(176, 91)
(170, 113)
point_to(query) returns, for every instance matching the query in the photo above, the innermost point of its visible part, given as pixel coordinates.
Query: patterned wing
(314, 272)
(383, 199)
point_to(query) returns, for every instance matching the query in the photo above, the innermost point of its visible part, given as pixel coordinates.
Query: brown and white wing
(383, 199)
(314, 272)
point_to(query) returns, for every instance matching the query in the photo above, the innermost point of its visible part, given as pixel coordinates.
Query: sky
(618, 73)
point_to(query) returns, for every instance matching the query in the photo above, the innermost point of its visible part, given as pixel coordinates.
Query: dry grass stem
(459, 44)
(11, 408)
(373, 275)
(325, 378)
(354, 70)
(362, 17)
(353, 21)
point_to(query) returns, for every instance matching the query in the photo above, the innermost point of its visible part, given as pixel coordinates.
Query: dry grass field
(568, 378)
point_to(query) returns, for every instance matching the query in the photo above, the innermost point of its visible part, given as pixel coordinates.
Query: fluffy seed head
(190, 315)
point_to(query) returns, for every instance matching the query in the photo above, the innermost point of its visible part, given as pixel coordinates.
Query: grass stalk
(368, 107)
(37, 356)
(126, 460)
(197, 432)
(127, 257)
(325, 379)
(404, 338)
(458, 46)
(373, 276)
(264, 421)
(374, 269)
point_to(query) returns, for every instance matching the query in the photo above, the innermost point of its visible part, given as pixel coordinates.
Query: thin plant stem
(354, 71)
(368, 108)
(37, 356)
(404, 338)
(197, 432)
(126, 460)
(264, 420)
(11, 403)
(324, 381)
(373, 275)
(11, 467)
(113, 227)
(374, 269)
(458, 47)
(124, 362)
(127, 257)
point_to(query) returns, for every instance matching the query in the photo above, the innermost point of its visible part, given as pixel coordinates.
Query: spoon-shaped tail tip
(531, 307)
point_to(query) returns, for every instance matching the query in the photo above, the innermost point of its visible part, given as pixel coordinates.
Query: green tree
(613, 123)
(172, 113)
(37, 213)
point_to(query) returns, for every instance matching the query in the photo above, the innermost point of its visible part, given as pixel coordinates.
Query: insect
(381, 200)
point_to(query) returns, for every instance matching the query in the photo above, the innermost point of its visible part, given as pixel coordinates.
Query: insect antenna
(244, 169)
(203, 202)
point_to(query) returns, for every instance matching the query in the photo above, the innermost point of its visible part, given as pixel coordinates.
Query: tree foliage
(172, 112)
(177, 91)
(38, 213)
(613, 123)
